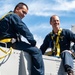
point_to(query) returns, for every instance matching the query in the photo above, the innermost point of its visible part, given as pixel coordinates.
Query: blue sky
(40, 12)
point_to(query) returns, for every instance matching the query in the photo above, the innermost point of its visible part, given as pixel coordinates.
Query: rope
(5, 15)
(6, 52)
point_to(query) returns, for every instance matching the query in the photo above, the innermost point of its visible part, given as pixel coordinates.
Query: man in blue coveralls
(11, 27)
(59, 41)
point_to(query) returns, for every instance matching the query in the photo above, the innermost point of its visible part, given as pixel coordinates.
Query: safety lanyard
(3, 50)
(5, 41)
(56, 48)
(5, 15)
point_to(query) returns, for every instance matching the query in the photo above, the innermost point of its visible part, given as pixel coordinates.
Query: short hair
(20, 5)
(52, 17)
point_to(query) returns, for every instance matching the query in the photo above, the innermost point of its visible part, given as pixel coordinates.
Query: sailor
(11, 27)
(59, 41)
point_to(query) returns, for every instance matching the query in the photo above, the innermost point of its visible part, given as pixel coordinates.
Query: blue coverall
(65, 39)
(10, 27)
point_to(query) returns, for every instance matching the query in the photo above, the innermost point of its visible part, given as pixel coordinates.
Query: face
(55, 22)
(21, 12)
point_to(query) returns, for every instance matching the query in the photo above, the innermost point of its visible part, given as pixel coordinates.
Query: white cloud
(40, 27)
(42, 7)
(8, 5)
(5, 9)
(65, 5)
(61, 7)
(39, 40)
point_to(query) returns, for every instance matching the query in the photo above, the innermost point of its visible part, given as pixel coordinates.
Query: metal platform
(19, 63)
(53, 66)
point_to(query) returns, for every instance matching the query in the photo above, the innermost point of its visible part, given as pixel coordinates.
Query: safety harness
(56, 46)
(5, 41)
(5, 53)
(5, 15)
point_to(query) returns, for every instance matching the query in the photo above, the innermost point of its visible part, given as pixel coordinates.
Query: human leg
(36, 56)
(67, 60)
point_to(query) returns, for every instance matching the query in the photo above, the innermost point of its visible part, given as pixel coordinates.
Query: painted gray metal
(19, 63)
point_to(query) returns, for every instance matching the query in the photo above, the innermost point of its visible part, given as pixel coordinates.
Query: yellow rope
(4, 51)
(5, 15)
(48, 53)
(5, 41)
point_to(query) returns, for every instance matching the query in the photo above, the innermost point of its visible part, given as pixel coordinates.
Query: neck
(56, 30)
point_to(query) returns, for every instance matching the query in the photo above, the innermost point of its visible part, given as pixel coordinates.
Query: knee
(66, 52)
(36, 50)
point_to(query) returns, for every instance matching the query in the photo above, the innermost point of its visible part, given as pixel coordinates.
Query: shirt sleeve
(21, 27)
(71, 37)
(45, 44)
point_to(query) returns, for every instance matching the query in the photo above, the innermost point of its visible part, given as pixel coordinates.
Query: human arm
(71, 38)
(21, 28)
(45, 44)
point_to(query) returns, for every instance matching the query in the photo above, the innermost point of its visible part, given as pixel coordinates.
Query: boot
(70, 72)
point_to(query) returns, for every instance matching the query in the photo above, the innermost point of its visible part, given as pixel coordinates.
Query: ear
(16, 10)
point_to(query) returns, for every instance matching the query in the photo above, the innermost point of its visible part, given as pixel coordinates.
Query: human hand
(70, 51)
